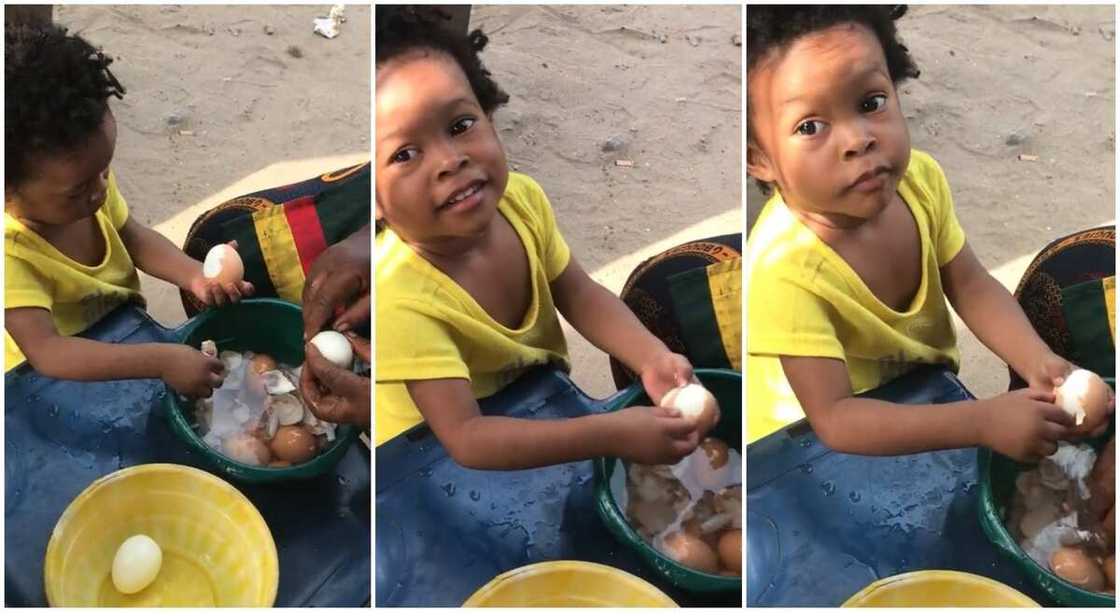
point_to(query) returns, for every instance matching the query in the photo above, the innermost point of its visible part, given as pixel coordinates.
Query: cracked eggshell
(287, 408)
(209, 348)
(1085, 396)
(231, 359)
(294, 443)
(1076, 567)
(275, 383)
(246, 449)
(261, 363)
(690, 551)
(223, 264)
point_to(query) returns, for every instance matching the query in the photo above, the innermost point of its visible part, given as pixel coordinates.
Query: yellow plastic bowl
(568, 584)
(217, 550)
(939, 589)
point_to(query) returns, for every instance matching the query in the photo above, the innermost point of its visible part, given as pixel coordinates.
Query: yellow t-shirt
(429, 327)
(806, 301)
(37, 275)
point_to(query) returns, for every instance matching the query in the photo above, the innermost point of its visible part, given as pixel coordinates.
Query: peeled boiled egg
(294, 444)
(1078, 568)
(731, 550)
(690, 551)
(335, 347)
(247, 449)
(261, 363)
(224, 264)
(696, 404)
(1085, 396)
(136, 564)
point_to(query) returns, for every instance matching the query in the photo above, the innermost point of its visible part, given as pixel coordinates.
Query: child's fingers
(247, 289)
(678, 427)
(664, 411)
(361, 346)
(1041, 395)
(354, 315)
(1046, 448)
(1055, 414)
(232, 243)
(217, 297)
(232, 292)
(1054, 432)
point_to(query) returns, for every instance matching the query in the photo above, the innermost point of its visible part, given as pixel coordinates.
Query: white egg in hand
(1085, 396)
(136, 564)
(695, 403)
(224, 264)
(335, 347)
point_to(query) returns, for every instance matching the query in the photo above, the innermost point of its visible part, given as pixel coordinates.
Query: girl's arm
(1023, 424)
(641, 435)
(153, 253)
(998, 321)
(603, 318)
(188, 371)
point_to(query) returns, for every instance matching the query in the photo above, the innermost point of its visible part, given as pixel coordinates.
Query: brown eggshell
(691, 552)
(1076, 567)
(716, 451)
(731, 550)
(224, 264)
(261, 363)
(247, 449)
(294, 443)
(279, 463)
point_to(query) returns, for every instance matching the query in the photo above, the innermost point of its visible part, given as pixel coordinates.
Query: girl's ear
(759, 165)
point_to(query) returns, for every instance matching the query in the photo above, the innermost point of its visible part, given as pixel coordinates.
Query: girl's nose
(860, 140)
(100, 188)
(452, 159)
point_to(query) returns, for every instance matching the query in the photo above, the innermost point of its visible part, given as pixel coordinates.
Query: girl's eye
(873, 103)
(810, 128)
(404, 155)
(462, 125)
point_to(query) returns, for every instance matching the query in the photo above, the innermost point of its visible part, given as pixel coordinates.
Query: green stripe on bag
(1087, 316)
(700, 328)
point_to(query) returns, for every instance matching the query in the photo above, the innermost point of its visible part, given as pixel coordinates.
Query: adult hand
(335, 394)
(338, 286)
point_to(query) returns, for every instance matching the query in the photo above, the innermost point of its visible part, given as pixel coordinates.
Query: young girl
(472, 271)
(852, 258)
(70, 248)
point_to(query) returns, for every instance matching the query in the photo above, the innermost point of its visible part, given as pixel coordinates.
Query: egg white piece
(136, 564)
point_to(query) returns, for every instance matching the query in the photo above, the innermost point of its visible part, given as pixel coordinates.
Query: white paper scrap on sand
(328, 27)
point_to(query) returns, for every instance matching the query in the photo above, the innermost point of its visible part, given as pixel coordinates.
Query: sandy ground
(223, 101)
(997, 82)
(664, 81)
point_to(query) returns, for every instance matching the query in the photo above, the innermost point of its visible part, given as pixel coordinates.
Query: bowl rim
(999, 535)
(923, 575)
(546, 567)
(345, 433)
(272, 581)
(615, 518)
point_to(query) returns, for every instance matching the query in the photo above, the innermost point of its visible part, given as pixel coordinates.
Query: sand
(665, 83)
(223, 101)
(997, 82)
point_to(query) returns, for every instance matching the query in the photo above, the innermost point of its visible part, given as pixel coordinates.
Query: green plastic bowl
(727, 386)
(997, 484)
(262, 325)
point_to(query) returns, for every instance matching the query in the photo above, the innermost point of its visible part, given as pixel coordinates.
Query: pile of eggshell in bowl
(1062, 512)
(691, 512)
(257, 417)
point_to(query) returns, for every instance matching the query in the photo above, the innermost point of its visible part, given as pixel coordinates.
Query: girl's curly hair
(57, 89)
(401, 29)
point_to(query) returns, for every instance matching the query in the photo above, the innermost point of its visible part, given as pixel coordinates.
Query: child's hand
(654, 435)
(1024, 424)
(190, 372)
(664, 372)
(212, 292)
(1049, 372)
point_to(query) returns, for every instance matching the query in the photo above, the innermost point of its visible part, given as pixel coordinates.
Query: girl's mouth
(465, 199)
